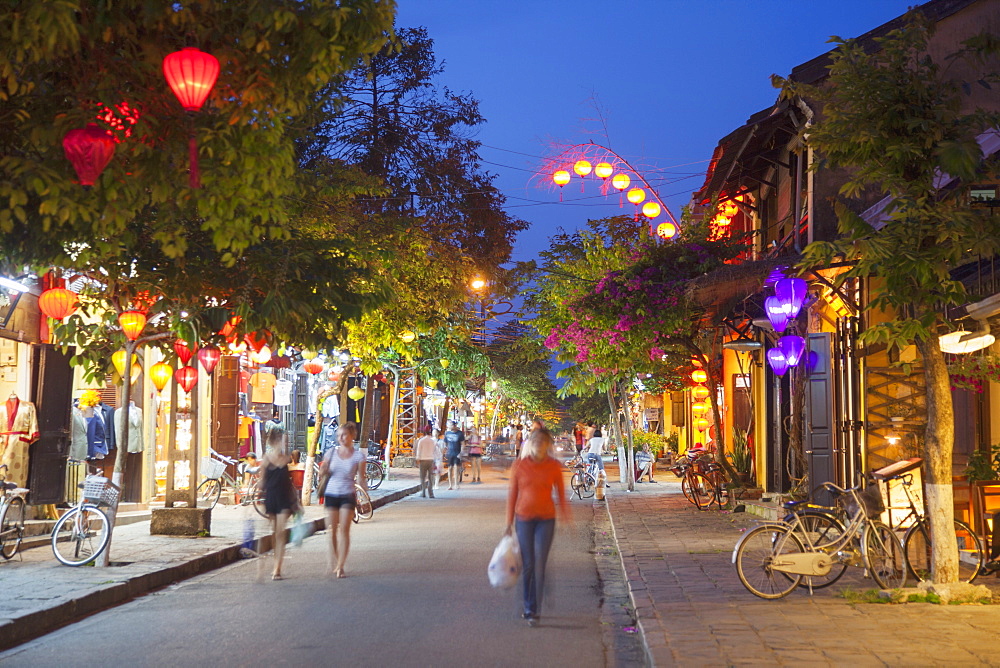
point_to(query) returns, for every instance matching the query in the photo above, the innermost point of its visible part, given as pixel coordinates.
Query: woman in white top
(345, 464)
(595, 447)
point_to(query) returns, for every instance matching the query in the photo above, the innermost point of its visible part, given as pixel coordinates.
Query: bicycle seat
(8, 485)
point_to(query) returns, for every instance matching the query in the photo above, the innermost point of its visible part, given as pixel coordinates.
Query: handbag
(324, 478)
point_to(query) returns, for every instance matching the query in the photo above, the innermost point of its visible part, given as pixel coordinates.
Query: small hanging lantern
(666, 230)
(603, 170)
(407, 336)
(699, 376)
(118, 360)
(620, 181)
(582, 168)
(160, 373)
(132, 323)
(445, 363)
(701, 424)
(136, 372)
(792, 347)
(209, 356)
(309, 354)
(356, 393)
(191, 74)
(262, 356)
(433, 382)
(313, 367)
(636, 196)
(700, 392)
(186, 377)
(58, 303)
(775, 314)
(791, 294)
(777, 360)
(561, 178)
(257, 340)
(183, 351)
(237, 346)
(699, 408)
(230, 326)
(89, 149)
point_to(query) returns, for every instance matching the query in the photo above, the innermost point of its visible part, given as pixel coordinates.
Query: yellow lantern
(238, 347)
(582, 168)
(136, 372)
(699, 408)
(262, 356)
(118, 359)
(699, 376)
(433, 382)
(729, 209)
(651, 209)
(666, 230)
(445, 363)
(636, 195)
(603, 170)
(309, 354)
(701, 424)
(356, 393)
(160, 373)
(620, 181)
(700, 392)
(561, 177)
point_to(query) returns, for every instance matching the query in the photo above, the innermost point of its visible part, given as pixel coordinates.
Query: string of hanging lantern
(781, 309)
(616, 172)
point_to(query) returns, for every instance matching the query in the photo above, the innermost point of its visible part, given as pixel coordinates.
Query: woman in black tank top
(279, 494)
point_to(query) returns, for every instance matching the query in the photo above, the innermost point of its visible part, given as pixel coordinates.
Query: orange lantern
(621, 181)
(603, 170)
(699, 408)
(701, 424)
(666, 230)
(651, 209)
(160, 374)
(262, 356)
(257, 340)
(561, 177)
(582, 168)
(700, 392)
(132, 323)
(313, 367)
(699, 376)
(58, 303)
(238, 347)
(636, 196)
(186, 377)
(230, 326)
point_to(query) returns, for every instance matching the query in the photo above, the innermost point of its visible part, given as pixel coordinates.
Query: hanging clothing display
(18, 429)
(262, 384)
(243, 428)
(107, 413)
(283, 392)
(331, 406)
(135, 437)
(78, 437)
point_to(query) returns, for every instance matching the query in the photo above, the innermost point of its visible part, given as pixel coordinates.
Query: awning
(718, 292)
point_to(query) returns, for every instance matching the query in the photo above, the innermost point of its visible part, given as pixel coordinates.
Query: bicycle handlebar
(223, 458)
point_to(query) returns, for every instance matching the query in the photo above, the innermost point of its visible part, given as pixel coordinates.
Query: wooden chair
(985, 502)
(298, 478)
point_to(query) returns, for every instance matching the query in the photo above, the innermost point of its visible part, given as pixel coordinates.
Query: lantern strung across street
(603, 170)
(132, 322)
(561, 178)
(191, 74)
(666, 230)
(651, 209)
(89, 150)
(58, 303)
(582, 168)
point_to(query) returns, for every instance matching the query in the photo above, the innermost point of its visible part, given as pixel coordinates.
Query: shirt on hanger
(263, 387)
(283, 393)
(243, 430)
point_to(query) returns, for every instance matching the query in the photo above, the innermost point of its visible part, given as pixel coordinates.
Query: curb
(30, 625)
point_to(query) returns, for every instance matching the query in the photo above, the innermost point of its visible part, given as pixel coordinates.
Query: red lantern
(257, 340)
(89, 150)
(209, 356)
(186, 377)
(313, 367)
(191, 74)
(230, 326)
(183, 351)
(132, 323)
(58, 303)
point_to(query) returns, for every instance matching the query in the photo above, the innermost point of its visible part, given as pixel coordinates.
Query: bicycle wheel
(363, 509)
(588, 487)
(820, 529)
(374, 474)
(12, 527)
(917, 547)
(576, 483)
(721, 495)
(257, 501)
(81, 535)
(700, 492)
(209, 492)
(755, 555)
(884, 556)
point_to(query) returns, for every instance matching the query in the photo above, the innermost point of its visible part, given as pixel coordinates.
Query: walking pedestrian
(578, 438)
(476, 454)
(344, 465)
(425, 452)
(279, 494)
(453, 439)
(518, 440)
(595, 448)
(531, 513)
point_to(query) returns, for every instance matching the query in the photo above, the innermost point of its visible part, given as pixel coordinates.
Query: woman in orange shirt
(529, 501)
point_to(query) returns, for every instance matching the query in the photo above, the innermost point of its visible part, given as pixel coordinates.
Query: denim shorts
(337, 502)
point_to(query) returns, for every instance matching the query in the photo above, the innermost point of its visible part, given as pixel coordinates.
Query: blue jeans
(591, 457)
(535, 538)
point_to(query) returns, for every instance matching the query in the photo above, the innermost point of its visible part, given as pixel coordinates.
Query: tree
(64, 64)
(894, 119)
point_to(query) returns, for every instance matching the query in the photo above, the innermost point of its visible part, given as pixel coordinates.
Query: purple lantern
(775, 314)
(791, 294)
(792, 348)
(776, 359)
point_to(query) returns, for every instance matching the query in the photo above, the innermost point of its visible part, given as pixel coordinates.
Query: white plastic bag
(298, 530)
(505, 565)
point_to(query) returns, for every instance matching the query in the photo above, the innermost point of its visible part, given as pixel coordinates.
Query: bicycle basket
(871, 498)
(93, 488)
(110, 495)
(212, 467)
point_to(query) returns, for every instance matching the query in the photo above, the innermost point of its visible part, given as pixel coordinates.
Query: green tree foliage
(896, 121)
(63, 63)
(521, 366)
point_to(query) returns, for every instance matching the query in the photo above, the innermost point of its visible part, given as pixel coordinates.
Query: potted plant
(741, 456)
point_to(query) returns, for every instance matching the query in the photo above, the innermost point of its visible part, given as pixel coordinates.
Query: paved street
(416, 594)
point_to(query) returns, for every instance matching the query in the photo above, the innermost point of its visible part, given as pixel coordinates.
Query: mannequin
(18, 429)
(97, 446)
(135, 443)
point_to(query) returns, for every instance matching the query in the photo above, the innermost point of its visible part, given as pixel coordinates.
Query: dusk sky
(670, 77)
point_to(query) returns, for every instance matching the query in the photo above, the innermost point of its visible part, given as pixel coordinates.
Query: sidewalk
(39, 594)
(693, 610)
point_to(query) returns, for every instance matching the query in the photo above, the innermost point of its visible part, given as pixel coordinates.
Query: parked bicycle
(773, 559)
(83, 532)
(215, 469)
(11, 515)
(374, 473)
(693, 468)
(584, 479)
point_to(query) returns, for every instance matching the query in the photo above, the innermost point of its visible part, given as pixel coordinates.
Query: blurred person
(595, 448)
(438, 457)
(531, 513)
(518, 439)
(344, 464)
(578, 438)
(425, 453)
(453, 439)
(475, 442)
(279, 493)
